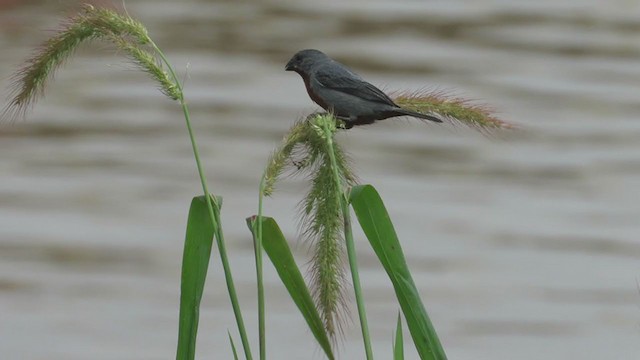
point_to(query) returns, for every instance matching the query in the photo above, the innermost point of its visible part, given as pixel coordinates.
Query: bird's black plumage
(339, 90)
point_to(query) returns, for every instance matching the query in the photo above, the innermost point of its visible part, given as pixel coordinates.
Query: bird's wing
(342, 79)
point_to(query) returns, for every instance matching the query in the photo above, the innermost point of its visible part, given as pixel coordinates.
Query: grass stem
(214, 211)
(348, 236)
(258, 255)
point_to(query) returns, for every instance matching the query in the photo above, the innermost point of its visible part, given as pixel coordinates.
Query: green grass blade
(377, 226)
(233, 347)
(277, 248)
(398, 347)
(257, 250)
(195, 262)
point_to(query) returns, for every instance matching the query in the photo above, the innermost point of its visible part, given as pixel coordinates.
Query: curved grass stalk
(328, 126)
(130, 36)
(304, 150)
(214, 211)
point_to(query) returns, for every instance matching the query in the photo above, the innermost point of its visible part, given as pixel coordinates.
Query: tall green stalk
(348, 236)
(257, 247)
(214, 211)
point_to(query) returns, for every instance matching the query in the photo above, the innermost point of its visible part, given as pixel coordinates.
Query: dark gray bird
(344, 93)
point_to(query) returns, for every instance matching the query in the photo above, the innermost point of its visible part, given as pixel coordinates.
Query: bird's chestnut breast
(317, 99)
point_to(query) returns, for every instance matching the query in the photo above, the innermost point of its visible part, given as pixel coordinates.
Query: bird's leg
(344, 125)
(344, 122)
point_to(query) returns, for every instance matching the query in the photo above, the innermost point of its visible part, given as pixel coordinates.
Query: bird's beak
(289, 67)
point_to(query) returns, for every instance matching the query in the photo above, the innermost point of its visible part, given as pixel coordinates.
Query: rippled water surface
(524, 247)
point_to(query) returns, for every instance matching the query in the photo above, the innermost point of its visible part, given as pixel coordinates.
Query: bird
(343, 93)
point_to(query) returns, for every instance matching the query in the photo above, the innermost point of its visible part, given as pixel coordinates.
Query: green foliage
(304, 150)
(195, 262)
(398, 344)
(233, 347)
(377, 226)
(277, 248)
(326, 128)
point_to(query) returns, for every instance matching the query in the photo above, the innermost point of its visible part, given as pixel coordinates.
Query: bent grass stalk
(129, 36)
(304, 151)
(214, 211)
(329, 128)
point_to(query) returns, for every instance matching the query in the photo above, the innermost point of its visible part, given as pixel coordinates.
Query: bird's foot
(343, 123)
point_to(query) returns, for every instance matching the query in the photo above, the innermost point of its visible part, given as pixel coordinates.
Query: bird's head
(304, 60)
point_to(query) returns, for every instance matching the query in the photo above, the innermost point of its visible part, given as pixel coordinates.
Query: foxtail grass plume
(304, 151)
(91, 23)
(455, 110)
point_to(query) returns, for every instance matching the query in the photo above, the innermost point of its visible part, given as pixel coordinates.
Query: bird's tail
(418, 115)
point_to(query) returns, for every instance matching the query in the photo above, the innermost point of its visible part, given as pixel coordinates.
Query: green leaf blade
(377, 226)
(233, 347)
(278, 251)
(195, 262)
(398, 347)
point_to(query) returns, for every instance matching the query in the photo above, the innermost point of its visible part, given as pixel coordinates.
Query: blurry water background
(523, 248)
